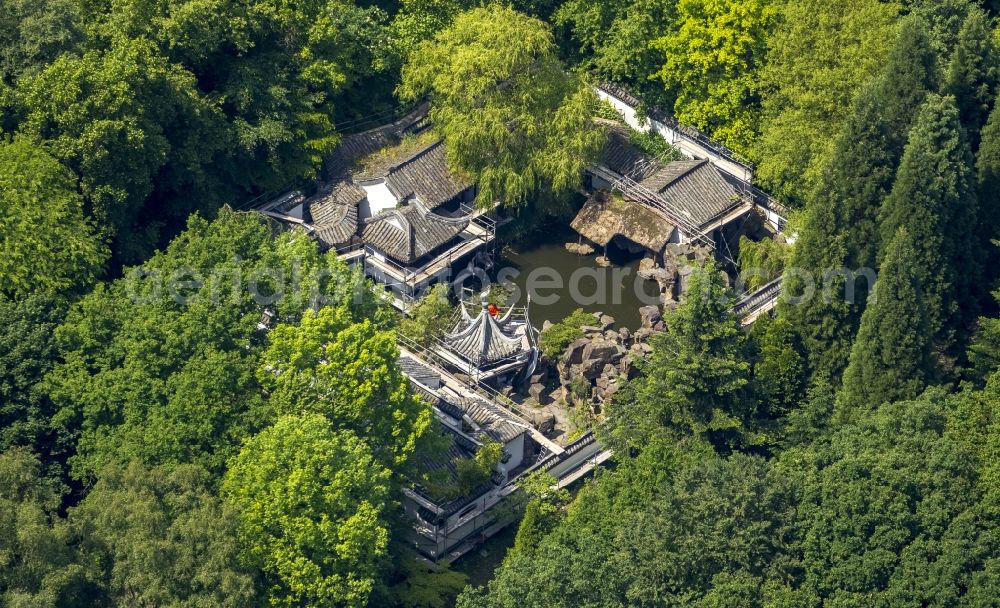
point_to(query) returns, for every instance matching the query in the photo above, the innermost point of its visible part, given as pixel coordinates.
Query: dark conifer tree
(696, 377)
(779, 378)
(934, 200)
(817, 299)
(972, 73)
(890, 359)
(988, 190)
(909, 74)
(944, 20)
(841, 232)
(870, 146)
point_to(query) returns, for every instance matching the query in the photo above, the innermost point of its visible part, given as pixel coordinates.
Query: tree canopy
(712, 59)
(933, 197)
(311, 505)
(510, 113)
(891, 356)
(819, 56)
(47, 243)
(200, 407)
(695, 378)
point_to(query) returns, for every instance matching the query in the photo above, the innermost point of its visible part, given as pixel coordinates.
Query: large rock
(603, 350)
(590, 369)
(650, 316)
(608, 375)
(646, 264)
(651, 274)
(540, 377)
(607, 322)
(543, 421)
(538, 393)
(642, 334)
(579, 248)
(573, 354)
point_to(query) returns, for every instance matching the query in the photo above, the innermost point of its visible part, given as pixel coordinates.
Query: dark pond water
(560, 281)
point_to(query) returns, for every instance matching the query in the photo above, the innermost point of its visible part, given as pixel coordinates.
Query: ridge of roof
(692, 165)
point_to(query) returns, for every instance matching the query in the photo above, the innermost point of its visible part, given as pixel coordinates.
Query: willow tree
(509, 112)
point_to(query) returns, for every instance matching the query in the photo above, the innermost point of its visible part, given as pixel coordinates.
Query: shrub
(558, 336)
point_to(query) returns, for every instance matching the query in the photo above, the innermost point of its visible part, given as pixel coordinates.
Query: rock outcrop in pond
(593, 368)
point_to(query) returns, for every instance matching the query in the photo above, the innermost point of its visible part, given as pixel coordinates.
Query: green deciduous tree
(779, 369)
(133, 130)
(695, 378)
(933, 198)
(891, 357)
(347, 371)
(40, 565)
(887, 514)
(275, 69)
(430, 317)
(311, 505)
(164, 538)
(420, 20)
(506, 107)
(554, 340)
(34, 33)
(700, 536)
(713, 54)
(818, 57)
(614, 39)
(761, 261)
(27, 353)
(47, 244)
(160, 366)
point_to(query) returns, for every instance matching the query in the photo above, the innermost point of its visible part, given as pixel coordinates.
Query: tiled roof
(282, 204)
(418, 372)
(460, 447)
(355, 146)
(408, 233)
(334, 213)
(496, 424)
(483, 339)
(424, 174)
(619, 154)
(489, 421)
(695, 187)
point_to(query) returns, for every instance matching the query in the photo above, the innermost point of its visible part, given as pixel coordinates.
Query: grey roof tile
(410, 232)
